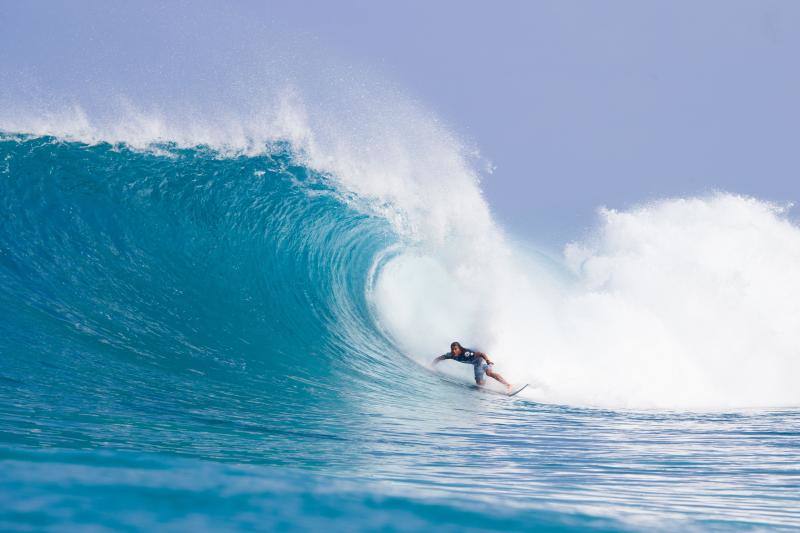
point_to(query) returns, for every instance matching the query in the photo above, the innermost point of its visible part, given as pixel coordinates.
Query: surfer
(479, 360)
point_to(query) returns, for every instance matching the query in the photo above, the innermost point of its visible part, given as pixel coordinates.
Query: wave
(301, 234)
(186, 260)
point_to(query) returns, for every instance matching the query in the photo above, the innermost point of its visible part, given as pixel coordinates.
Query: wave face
(132, 275)
(176, 309)
(185, 258)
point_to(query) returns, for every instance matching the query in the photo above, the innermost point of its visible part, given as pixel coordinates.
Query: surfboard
(501, 393)
(518, 390)
(480, 388)
(493, 391)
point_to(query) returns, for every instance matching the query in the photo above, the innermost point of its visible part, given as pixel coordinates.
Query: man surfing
(479, 360)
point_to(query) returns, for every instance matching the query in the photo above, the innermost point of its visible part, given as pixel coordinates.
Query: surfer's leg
(480, 374)
(497, 376)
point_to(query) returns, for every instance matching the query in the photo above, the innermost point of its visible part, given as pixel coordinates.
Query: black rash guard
(468, 356)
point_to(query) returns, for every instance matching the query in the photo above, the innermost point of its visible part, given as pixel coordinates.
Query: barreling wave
(182, 259)
(124, 273)
(259, 262)
(249, 307)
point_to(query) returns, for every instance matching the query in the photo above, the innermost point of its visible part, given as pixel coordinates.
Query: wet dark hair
(454, 344)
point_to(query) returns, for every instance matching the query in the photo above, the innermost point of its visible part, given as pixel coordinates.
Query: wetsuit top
(468, 356)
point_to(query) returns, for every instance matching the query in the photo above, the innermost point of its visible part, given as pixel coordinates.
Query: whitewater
(223, 318)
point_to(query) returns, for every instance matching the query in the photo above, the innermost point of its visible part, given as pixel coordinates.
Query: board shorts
(480, 370)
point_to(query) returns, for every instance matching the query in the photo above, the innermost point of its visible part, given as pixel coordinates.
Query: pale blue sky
(577, 104)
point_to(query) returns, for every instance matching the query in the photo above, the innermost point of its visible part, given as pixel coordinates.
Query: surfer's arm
(441, 358)
(485, 357)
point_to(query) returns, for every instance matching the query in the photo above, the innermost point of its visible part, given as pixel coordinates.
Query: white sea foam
(682, 303)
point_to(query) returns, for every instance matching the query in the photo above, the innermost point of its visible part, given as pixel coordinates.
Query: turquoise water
(186, 340)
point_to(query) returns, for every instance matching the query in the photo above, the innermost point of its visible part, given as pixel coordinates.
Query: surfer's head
(456, 348)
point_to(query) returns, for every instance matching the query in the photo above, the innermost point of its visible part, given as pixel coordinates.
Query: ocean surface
(200, 339)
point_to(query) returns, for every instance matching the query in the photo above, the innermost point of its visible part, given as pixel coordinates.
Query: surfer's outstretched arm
(441, 358)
